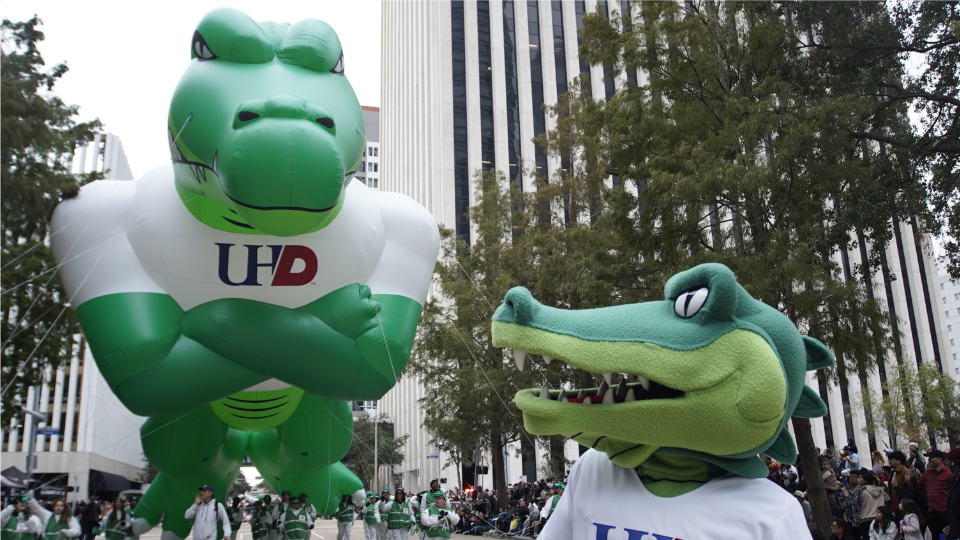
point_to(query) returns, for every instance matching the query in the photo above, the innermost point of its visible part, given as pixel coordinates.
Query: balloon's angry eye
(338, 69)
(200, 49)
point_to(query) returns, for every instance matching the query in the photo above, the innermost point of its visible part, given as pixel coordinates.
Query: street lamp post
(40, 420)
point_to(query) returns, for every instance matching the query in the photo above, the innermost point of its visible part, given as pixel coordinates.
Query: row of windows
(955, 297)
(372, 151)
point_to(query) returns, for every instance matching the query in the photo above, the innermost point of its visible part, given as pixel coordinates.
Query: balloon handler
(711, 378)
(241, 294)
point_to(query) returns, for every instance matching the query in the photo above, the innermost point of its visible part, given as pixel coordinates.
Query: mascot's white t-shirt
(606, 502)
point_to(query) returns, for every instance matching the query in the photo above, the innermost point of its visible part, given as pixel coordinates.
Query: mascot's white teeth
(630, 388)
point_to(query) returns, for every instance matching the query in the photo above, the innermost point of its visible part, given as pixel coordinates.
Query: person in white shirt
(16, 521)
(207, 512)
(384, 506)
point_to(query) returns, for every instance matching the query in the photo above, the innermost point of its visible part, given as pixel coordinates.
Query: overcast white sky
(125, 57)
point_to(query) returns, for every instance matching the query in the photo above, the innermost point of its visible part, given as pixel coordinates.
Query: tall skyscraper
(464, 85)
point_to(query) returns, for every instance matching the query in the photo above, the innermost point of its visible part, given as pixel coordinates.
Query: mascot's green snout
(265, 129)
(691, 389)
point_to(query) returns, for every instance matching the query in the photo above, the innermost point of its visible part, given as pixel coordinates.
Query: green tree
(239, 487)
(913, 404)
(38, 135)
(147, 472)
(359, 458)
(740, 146)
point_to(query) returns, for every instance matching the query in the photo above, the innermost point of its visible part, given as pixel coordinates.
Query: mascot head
(709, 373)
(265, 129)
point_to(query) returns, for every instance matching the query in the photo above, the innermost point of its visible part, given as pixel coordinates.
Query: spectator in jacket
(914, 461)
(873, 497)
(935, 482)
(912, 523)
(884, 525)
(953, 496)
(207, 512)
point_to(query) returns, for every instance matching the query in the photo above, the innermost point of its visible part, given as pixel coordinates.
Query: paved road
(324, 529)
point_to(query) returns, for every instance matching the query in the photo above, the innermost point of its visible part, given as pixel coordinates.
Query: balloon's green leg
(302, 454)
(189, 451)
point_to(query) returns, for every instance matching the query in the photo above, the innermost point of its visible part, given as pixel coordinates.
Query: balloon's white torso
(137, 236)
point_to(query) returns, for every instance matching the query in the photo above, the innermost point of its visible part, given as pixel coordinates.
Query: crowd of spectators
(900, 494)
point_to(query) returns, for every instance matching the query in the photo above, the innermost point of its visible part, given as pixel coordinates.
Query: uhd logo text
(282, 259)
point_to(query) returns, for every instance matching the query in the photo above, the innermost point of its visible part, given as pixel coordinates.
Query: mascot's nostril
(325, 122)
(246, 116)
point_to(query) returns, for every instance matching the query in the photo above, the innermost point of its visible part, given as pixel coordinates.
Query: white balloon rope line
(492, 387)
(13, 379)
(16, 327)
(89, 272)
(350, 429)
(366, 266)
(48, 237)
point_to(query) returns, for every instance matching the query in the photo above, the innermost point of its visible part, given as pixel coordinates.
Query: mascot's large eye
(338, 69)
(200, 48)
(690, 302)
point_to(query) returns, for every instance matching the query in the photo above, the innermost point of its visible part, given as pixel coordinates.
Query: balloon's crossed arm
(159, 359)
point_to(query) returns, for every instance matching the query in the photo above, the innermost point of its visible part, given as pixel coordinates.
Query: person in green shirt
(17, 522)
(345, 516)
(296, 521)
(384, 508)
(269, 509)
(400, 518)
(437, 518)
(57, 525)
(311, 510)
(371, 516)
(259, 522)
(116, 524)
(552, 502)
(236, 518)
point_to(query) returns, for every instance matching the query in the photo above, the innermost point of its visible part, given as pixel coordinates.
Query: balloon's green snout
(264, 123)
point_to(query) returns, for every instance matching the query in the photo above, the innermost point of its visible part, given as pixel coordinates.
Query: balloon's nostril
(246, 116)
(325, 122)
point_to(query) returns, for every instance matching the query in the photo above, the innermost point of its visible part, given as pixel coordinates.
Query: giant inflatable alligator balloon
(239, 295)
(712, 377)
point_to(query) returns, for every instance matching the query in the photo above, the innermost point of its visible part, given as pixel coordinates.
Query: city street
(324, 529)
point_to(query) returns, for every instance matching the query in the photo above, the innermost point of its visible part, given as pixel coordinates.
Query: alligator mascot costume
(711, 378)
(241, 294)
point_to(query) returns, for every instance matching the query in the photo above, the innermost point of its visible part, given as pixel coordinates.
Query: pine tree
(38, 135)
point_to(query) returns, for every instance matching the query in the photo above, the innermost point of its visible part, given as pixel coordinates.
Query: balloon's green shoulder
(710, 374)
(265, 130)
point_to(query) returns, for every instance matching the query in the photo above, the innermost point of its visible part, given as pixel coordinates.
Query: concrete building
(97, 447)
(950, 295)
(369, 170)
(103, 154)
(463, 88)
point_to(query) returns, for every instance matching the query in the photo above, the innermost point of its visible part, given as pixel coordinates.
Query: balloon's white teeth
(545, 391)
(608, 377)
(608, 397)
(644, 382)
(629, 397)
(519, 357)
(603, 388)
(562, 398)
(587, 401)
(622, 387)
(582, 394)
(547, 359)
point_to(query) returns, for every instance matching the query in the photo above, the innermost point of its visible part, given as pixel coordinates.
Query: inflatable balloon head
(265, 129)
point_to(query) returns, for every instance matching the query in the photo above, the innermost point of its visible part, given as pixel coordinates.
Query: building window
(941, 286)
(374, 167)
(461, 174)
(363, 166)
(536, 84)
(947, 312)
(607, 79)
(628, 27)
(956, 296)
(376, 151)
(485, 76)
(949, 328)
(954, 356)
(944, 299)
(951, 343)
(513, 94)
